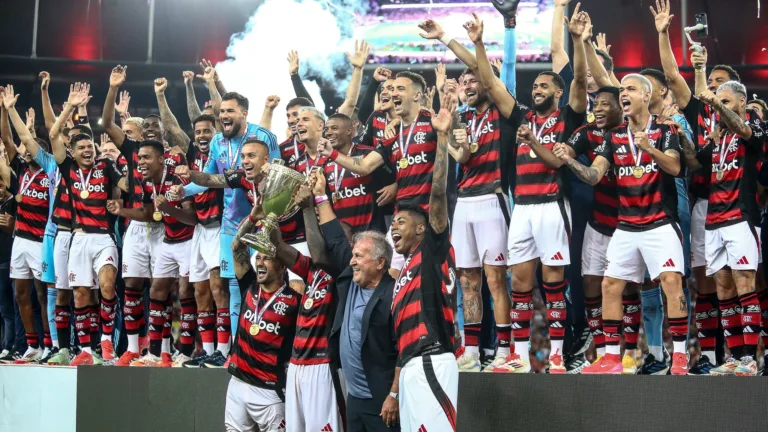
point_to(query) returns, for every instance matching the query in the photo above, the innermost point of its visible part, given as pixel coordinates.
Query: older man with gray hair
(362, 337)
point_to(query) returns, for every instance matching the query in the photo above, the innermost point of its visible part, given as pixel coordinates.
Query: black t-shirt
(8, 206)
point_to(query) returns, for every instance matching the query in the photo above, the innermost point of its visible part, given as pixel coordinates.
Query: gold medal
(84, 194)
(19, 197)
(308, 304)
(473, 148)
(532, 154)
(254, 330)
(720, 174)
(638, 172)
(335, 197)
(590, 117)
(403, 163)
(55, 191)
(157, 216)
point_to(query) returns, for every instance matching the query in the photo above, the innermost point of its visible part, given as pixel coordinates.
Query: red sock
(750, 322)
(108, 312)
(156, 326)
(472, 334)
(730, 319)
(632, 318)
(62, 325)
(594, 306)
(678, 328)
(612, 332)
(32, 340)
(133, 311)
(706, 321)
(763, 297)
(206, 326)
(504, 333)
(520, 316)
(556, 312)
(188, 325)
(223, 323)
(83, 326)
(47, 341)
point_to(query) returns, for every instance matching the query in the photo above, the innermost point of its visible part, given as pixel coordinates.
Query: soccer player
(540, 225)
(645, 157)
(422, 307)
(732, 223)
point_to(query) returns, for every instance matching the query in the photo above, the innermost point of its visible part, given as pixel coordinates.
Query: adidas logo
(422, 429)
(743, 261)
(327, 428)
(557, 257)
(621, 149)
(499, 258)
(669, 263)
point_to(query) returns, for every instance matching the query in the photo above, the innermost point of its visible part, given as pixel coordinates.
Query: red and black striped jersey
(313, 326)
(32, 211)
(90, 213)
(733, 162)
(422, 305)
(130, 149)
(374, 129)
(647, 195)
(536, 183)
(414, 174)
(481, 173)
(62, 206)
(176, 231)
(292, 151)
(209, 205)
(262, 347)
(353, 199)
(237, 180)
(122, 165)
(293, 228)
(605, 203)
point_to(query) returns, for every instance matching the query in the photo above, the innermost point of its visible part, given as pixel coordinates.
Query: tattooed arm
(178, 136)
(193, 109)
(438, 199)
(215, 181)
(592, 174)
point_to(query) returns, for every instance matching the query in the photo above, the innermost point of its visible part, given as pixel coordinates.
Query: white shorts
(26, 259)
(92, 252)
(736, 246)
(252, 409)
(140, 245)
(172, 260)
(593, 254)
(698, 241)
(205, 253)
(429, 388)
(61, 258)
(479, 234)
(540, 231)
(659, 250)
(310, 399)
(398, 260)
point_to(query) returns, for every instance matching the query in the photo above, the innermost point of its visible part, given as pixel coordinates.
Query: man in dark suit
(362, 336)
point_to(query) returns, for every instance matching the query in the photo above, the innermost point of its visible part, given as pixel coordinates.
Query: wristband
(446, 39)
(334, 155)
(321, 199)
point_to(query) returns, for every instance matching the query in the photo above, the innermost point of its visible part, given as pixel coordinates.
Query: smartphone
(701, 18)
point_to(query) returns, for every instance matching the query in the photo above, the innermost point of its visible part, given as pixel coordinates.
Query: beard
(235, 131)
(546, 104)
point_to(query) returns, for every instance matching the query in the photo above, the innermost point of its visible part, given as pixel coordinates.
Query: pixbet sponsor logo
(352, 192)
(629, 171)
(273, 328)
(416, 159)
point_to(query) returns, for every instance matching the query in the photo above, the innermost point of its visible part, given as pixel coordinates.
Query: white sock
(166, 348)
(224, 348)
(600, 351)
(678, 347)
(613, 350)
(208, 348)
(487, 352)
(657, 352)
(557, 347)
(461, 332)
(55, 343)
(106, 337)
(472, 350)
(711, 355)
(87, 349)
(521, 349)
(133, 343)
(502, 351)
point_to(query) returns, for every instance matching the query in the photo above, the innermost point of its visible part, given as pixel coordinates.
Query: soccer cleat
(747, 367)
(217, 360)
(702, 366)
(494, 363)
(126, 359)
(629, 366)
(143, 343)
(679, 364)
(166, 359)
(606, 365)
(59, 358)
(196, 362)
(469, 362)
(149, 360)
(107, 350)
(180, 360)
(556, 366)
(47, 354)
(576, 363)
(515, 364)
(655, 367)
(83, 359)
(30, 356)
(727, 368)
(11, 357)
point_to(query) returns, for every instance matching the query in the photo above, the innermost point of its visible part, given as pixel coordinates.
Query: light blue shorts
(227, 268)
(49, 272)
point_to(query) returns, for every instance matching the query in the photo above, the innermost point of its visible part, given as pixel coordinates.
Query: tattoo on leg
(683, 305)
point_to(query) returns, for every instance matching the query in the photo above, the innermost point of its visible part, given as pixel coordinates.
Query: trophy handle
(278, 161)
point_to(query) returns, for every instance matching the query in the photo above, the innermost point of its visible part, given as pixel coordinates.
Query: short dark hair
(414, 209)
(44, 144)
(81, 129)
(300, 101)
(157, 146)
(79, 137)
(606, 59)
(613, 91)
(763, 107)
(558, 80)
(495, 70)
(732, 74)
(157, 116)
(242, 101)
(417, 79)
(340, 116)
(203, 118)
(257, 142)
(655, 74)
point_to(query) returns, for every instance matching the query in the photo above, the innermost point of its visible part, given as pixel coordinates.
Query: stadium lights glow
(435, 5)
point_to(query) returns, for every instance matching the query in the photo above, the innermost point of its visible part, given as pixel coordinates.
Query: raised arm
(116, 79)
(508, 10)
(596, 68)
(269, 109)
(211, 77)
(193, 109)
(603, 46)
(178, 136)
(577, 26)
(366, 106)
(205, 65)
(675, 81)
(77, 93)
(559, 55)
(438, 198)
(362, 49)
(293, 70)
(504, 101)
(305, 198)
(5, 129)
(357, 165)
(699, 62)
(9, 103)
(732, 121)
(48, 115)
(432, 30)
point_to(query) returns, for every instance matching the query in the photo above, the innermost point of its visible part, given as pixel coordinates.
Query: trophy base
(261, 241)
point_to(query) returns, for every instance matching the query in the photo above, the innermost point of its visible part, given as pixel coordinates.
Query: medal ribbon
(26, 184)
(338, 179)
(84, 183)
(724, 150)
(259, 312)
(540, 131)
(154, 191)
(315, 283)
(405, 144)
(475, 131)
(233, 156)
(637, 154)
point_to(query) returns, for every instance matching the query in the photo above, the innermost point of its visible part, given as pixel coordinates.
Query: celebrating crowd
(604, 194)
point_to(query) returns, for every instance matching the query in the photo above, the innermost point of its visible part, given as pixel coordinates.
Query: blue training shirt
(48, 164)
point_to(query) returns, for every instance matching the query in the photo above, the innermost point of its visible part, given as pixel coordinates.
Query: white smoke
(258, 67)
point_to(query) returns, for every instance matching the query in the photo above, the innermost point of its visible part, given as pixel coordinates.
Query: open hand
(431, 30)
(125, 100)
(117, 77)
(474, 29)
(293, 62)
(362, 49)
(662, 16)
